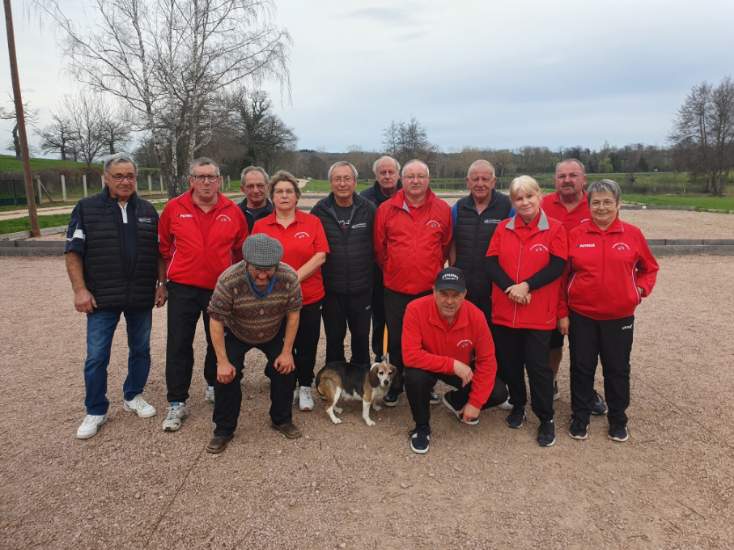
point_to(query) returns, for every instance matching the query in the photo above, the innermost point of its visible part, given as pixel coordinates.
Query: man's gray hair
(480, 163)
(575, 161)
(383, 158)
(604, 186)
(415, 161)
(257, 169)
(340, 163)
(119, 158)
(203, 161)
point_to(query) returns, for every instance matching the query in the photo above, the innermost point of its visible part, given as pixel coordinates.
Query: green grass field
(9, 164)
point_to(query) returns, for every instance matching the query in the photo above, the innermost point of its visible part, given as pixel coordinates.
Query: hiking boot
(618, 433)
(516, 419)
(420, 440)
(175, 415)
(90, 425)
(218, 443)
(288, 429)
(139, 406)
(578, 429)
(547, 434)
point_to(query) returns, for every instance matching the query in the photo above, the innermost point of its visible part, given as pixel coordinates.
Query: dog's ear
(374, 380)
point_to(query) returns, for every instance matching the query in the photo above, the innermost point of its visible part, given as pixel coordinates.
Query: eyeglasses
(202, 179)
(606, 203)
(119, 178)
(415, 177)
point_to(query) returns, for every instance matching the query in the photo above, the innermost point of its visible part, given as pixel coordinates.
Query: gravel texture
(350, 486)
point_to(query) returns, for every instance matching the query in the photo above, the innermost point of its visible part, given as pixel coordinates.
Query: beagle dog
(339, 379)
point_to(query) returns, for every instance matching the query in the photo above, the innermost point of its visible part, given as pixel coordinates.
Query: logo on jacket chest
(586, 245)
(621, 247)
(223, 218)
(464, 344)
(185, 216)
(539, 247)
(145, 220)
(302, 235)
(433, 224)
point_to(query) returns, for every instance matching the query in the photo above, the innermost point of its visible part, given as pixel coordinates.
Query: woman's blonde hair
(524, 183)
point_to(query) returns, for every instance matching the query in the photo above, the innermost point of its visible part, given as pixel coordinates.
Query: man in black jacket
(348, 272)
(114, 268)
(474, 219)
(387, 183)
(255, 205)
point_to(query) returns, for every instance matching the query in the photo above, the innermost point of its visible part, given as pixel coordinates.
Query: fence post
(150, 184)
(84, 184)
(229, 180)
(63, 187)
(38, 183)
(160, 177)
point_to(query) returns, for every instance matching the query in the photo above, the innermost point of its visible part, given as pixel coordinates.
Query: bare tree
(262, 134)
(85, 116)
(703, 134)
(30, 119)
(167, 60)
(59, 137)
(115, 127)
(408, 140)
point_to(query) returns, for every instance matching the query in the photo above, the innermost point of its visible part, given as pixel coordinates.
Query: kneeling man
(447, 338)
(256, 304)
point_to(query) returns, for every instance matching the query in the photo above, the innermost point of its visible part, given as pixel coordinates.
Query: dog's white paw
(338, 410)
(336, 420)
(376, 407)
(369, 422)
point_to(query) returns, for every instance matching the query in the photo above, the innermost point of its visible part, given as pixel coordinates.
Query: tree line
(194, 89)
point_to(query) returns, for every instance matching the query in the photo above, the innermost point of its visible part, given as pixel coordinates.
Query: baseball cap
(451, 278)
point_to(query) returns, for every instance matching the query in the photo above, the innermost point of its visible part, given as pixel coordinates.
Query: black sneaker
(420, 439)
(556, 392)
(435, 399)
(579, 429)
(516, 419)
(599, 408)
(391, 398)
(618, 433)
(547, 434)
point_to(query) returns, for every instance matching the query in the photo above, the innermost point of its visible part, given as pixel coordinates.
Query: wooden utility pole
(20, 118)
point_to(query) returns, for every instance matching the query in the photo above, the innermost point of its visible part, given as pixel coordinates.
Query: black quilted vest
(350, 263)
(113, 283)
(472, 233)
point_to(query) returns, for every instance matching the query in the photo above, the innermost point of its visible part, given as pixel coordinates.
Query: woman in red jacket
(304, 249)
(527, 255)
(610, 269)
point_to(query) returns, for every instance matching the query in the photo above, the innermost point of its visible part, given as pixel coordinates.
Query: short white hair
(383, 158)
(481, 162)
(415, 161)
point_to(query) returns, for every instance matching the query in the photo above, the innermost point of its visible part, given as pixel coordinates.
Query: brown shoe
(218, 443)
(288, 429)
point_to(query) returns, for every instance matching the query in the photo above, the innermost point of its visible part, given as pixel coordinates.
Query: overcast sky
(474, 72)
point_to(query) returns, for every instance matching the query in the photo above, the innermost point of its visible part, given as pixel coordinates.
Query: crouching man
(447, 338)
(256, 304)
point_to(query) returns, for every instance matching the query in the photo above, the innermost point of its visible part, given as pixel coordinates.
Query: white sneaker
(90, 425)
(139, 406)
(209, 394)
(506, 406)
(305, 399)
(174, 417)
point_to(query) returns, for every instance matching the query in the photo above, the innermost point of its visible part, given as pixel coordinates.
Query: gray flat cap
(261, 250)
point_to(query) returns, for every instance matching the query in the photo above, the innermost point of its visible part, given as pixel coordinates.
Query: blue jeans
(100, 330)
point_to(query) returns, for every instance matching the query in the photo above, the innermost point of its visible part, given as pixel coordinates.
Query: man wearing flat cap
(446, 337)
(256, 304)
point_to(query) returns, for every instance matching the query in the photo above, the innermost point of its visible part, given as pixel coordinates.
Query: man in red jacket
(569, 206)
(412, 238)
(200, 235)
(446, 337)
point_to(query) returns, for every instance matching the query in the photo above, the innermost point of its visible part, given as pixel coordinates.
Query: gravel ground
(350, 486)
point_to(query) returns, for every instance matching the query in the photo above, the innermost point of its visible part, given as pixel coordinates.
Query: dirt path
(350, 486)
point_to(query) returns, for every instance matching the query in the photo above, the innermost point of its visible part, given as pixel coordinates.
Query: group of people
(478, 295)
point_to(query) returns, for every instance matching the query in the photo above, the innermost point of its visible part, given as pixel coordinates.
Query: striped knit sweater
(252, 319)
